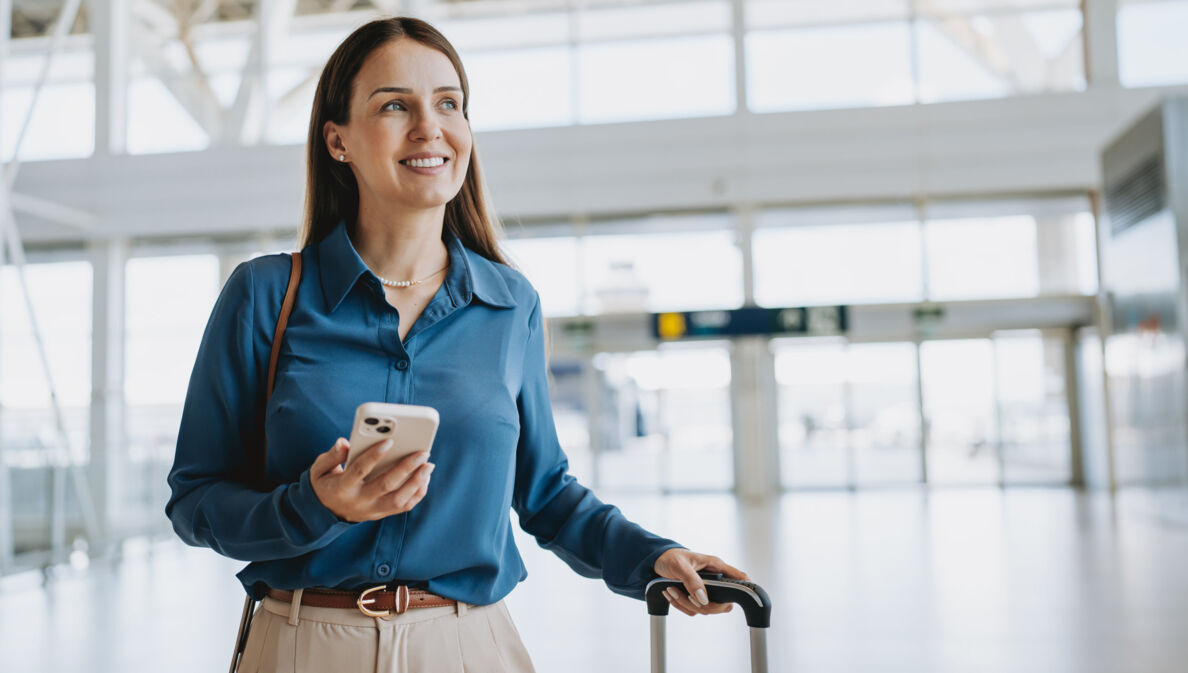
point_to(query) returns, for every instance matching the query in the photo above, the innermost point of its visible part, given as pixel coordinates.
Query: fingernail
(671, 593)
(702, 597)
(422, 458)
(385, 445)
(431, 467)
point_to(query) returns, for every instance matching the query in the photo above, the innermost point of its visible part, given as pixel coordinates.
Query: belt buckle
(402, 600)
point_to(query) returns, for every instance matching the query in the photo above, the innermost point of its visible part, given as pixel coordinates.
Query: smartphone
(410, 427)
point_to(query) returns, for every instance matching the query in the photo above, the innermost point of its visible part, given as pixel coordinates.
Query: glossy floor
(1050, 581)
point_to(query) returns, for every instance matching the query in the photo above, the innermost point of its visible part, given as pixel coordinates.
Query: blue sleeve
(211, 503)
(594, 538)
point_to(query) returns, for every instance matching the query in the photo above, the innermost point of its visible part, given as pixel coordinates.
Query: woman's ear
(334, 142)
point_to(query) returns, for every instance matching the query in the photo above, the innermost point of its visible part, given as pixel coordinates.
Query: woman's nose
(425, 127)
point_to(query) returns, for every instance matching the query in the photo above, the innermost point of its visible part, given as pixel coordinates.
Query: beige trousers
(294, 638)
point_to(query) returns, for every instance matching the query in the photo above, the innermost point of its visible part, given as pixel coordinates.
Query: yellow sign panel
(671, 325)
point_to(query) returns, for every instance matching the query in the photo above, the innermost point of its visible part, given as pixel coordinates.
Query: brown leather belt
(374, 602)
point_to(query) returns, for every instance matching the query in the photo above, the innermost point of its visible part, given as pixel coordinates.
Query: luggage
(720, 589)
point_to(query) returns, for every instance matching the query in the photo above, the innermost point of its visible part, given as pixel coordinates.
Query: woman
(404, 298)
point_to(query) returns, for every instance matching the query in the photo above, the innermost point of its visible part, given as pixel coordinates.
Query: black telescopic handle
(720, 589)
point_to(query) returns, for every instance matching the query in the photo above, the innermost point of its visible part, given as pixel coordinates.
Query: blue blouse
(476, 354)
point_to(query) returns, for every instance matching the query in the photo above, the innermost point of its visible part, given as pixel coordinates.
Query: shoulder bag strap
(282, 321)
(245, 620)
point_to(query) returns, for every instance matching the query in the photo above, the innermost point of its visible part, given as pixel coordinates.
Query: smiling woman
(405, 299)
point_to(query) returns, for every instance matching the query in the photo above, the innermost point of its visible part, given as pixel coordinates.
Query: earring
(342, 157)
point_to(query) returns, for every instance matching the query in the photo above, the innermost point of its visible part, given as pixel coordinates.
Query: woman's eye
(397, 103)
(450, 102)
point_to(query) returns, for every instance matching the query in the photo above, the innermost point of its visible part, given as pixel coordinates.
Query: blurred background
(883, 301)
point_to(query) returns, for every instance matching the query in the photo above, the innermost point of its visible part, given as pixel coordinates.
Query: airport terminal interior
(882, 301)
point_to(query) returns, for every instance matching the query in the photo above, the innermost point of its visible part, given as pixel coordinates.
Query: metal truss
(60, 458)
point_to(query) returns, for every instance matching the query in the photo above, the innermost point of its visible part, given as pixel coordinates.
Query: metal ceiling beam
(273, 20)
(55, 212)
(191, 89)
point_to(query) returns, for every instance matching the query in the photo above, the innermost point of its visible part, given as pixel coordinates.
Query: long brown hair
(331, 192)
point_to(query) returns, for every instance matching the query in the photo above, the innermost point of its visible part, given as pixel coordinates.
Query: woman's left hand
(682, 565)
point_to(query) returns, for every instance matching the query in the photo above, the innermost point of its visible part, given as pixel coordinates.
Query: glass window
(164, 327)
(661, 272)
(829, 67)
(61, 296)
(998, 54)
(551, 265)
(656, 79)
(297, 63)
(1086, 253)
(979, 258)
(291, 93)
(814, 54)
(593, 64)
(168, 98)
(522, 88)
(762, 14)
(157, 122)
(517, 30)
(1152, 50)
(837, 263)
(991, 6)
(1067, 253)
(595, 23)
(63, 123)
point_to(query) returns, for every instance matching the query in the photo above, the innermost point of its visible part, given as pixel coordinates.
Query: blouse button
(383, 569)
(402, 365)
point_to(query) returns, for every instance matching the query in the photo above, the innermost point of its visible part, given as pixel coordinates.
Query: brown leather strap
(261, 461)
(384, 601)
(283, 320)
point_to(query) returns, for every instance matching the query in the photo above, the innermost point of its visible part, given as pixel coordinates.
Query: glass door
(960, 415)
(996, 409)
(848, 413)
(663, 418)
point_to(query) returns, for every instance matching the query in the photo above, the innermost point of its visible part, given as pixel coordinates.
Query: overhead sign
(751, 321)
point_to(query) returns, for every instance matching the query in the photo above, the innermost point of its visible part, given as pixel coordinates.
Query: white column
(110, 27)
(1101, 43)
(739, 29)
(1056, 243)
(744, 230)
(6, 542)
(753, 416)
(107, 469)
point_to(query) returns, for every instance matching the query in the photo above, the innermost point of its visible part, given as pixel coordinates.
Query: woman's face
(407, 141)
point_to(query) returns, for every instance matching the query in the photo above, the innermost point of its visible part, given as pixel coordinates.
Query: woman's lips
(427, 171)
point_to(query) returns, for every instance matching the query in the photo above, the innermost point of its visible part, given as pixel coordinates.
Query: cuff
(306, 503)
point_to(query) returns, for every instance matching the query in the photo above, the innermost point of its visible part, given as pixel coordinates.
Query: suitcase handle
(720, 589)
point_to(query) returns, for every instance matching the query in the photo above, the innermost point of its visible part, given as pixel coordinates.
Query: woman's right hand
(343, 492)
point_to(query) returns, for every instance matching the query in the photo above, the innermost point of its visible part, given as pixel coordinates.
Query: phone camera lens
(371, 421)
(384, 428)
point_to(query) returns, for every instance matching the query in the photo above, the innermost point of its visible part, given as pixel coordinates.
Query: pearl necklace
(408, 283)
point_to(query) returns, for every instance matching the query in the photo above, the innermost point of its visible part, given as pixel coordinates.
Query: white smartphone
(410, 427)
